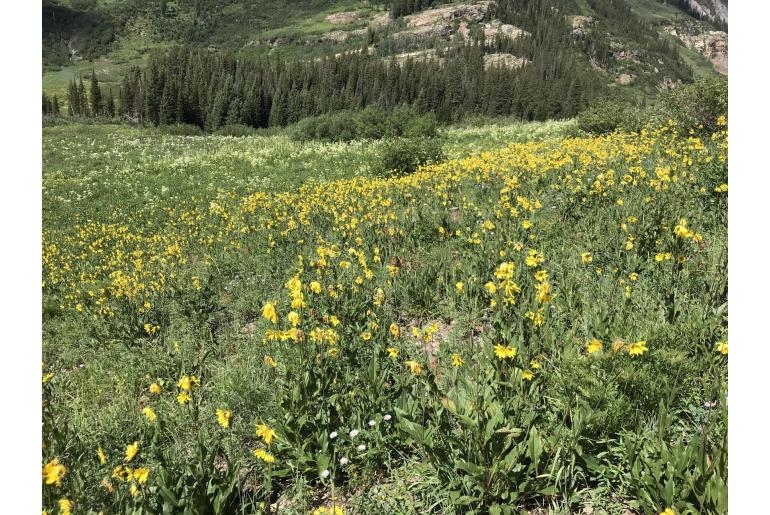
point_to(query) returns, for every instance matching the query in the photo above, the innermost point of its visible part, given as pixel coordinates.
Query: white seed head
(344, 461)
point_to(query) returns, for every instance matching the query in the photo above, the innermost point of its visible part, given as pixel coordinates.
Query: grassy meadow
(257, 325)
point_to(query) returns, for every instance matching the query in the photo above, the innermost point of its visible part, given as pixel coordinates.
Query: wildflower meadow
(536, 324)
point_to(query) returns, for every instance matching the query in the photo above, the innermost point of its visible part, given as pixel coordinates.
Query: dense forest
(559, 72)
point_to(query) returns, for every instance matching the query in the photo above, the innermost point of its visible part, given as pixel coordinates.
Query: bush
(236, 130)
(401, 156)
(368, 123)
(181, 129)
(606, 115)
(693, 105)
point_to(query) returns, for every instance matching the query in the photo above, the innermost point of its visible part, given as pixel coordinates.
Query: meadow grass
(538, 322)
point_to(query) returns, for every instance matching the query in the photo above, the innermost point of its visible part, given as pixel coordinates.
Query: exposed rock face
(712, 45)
(495, 27)
(714, 10)
(669, 84)
(506, 60)
(627, 55)
(419, 55)
(380, 20)
(581, 25)
(340, 36)
(442, 15)
(343, 18)
(624, 79)
(579, 22)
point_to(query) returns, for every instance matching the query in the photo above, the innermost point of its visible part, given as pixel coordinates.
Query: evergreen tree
(96, 96)
(109, 106)
(82, 99)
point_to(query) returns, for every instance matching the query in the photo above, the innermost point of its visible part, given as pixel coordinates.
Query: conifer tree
(82, 99)
(109, 106)
(96, 96)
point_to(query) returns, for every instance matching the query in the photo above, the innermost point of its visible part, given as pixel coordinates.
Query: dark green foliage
(406, 7)
(369, 123)
(608, 114)
(695, 106)
(96, 96)
(210, 90)
(399, 156)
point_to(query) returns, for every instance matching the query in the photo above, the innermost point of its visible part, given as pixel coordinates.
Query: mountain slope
(633, 46)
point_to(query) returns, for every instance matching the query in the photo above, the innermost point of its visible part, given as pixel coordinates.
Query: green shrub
(401, 156)
(606, 115)
(368, 123)
(696, 106)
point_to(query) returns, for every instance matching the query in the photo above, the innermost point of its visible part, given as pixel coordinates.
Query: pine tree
(55, 106)
(96, 96)
(109, 106)
(82, 99)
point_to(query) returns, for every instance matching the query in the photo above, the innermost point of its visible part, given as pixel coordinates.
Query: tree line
(210, 90)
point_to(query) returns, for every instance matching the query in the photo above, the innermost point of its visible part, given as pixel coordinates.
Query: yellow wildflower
(141, 474)
(527, 375)
(183, 398)
(265, 433)
(264, 456)
(593, 345)
(414, 367)
(504, 351)
(637, 348)
(457, 360)
(223, 417)
(155, 388)
(131, 451)
(392, 352)
(269, 313)
(722, 347)
(53, 472)
(149, 413)
(187, 383)
(65, 507)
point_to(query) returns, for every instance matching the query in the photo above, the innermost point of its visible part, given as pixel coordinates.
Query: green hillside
(623, 43)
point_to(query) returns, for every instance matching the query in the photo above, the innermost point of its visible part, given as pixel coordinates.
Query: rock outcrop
(711, 44)
(505, 60)
(343, 18)
(442, 15)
